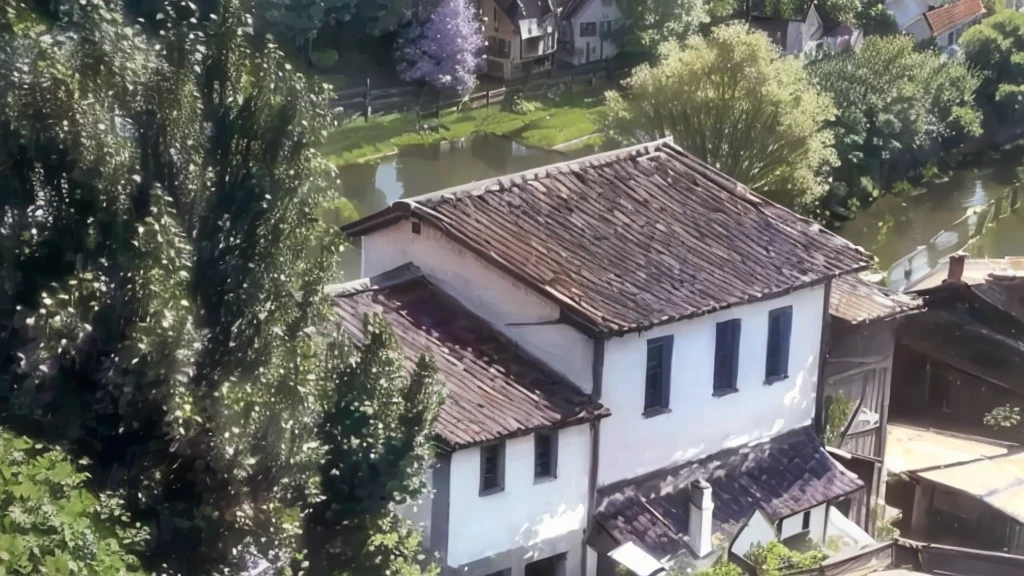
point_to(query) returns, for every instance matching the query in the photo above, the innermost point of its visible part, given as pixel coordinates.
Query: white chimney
(701, 507)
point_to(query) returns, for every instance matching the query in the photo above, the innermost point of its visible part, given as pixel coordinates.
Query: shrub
(324, 59)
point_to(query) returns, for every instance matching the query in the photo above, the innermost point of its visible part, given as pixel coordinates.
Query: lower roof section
(787, 474)
(493, 389)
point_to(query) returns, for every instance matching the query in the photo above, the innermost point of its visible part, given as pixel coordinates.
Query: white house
(946, 23)
(663, 319)
(808, 33)
(521, 36)
(585, 30)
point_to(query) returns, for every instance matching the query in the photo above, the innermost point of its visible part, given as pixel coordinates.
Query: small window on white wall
(545, 455)
(492, 468)
(658, 377)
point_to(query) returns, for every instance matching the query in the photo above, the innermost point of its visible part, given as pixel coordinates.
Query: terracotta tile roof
(856, 300)
(634, 238)
(952, 16)
(788, 474)
(493, 389)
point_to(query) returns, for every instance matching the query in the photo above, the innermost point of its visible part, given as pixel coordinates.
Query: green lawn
(547, 126)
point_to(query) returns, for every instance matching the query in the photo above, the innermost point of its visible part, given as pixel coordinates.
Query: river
(891, 228)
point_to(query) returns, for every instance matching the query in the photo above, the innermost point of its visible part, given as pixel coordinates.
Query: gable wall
(595, 11)
(488, 292)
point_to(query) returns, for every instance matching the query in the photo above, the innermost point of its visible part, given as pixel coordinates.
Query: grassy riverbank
(548, 125)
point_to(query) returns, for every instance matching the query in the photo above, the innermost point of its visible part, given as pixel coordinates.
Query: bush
(774, 559)
(49, 522)
(323, 59)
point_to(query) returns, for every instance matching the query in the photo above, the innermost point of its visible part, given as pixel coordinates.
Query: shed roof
(952, 16)
(789, 473)
(999, 482)
(856, 301)
(524, 9)
(494, 390)
(633, 238)
(909, 448)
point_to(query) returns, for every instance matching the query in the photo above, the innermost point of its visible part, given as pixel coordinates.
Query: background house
(858, 371)
(585, 30)
(946, 23)
(967, 345)
(807, 33)
(521, 36)
(704, 347)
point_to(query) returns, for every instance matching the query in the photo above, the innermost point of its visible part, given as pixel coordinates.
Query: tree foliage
(447, 52)
(897, 107)
(50, 524)
(732, 100)
(774, 559)
(876, 20)
(364, 476)
(162, 272)
(650, 23)
(996, 47)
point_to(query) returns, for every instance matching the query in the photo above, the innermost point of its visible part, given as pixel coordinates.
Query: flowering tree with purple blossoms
(447, 52)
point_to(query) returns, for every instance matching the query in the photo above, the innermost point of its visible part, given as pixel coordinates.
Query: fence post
(438, 113)
(487, 100)
(366, 103)
(593, 79)
(1013, 198)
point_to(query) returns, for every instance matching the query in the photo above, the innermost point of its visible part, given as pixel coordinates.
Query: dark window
(806, 525)
(492, 468)
(545, 455)
(659, 373)
(727, 355)
(606, 27)
(495, 18)
(505, 572)
(588, 29)
(780, 323)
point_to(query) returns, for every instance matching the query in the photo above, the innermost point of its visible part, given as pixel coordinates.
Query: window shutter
(734, 359)
(727, 343)
(666, 371)
(786, 320)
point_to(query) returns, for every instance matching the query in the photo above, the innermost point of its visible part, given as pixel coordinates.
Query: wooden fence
(366, 102)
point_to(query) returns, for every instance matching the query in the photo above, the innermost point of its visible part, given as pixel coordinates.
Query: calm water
(417, 170)
(896, 225)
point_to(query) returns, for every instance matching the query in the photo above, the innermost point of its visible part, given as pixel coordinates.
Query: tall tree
(734, 101)
(160, 300)
(898, 106)
(996, 48)
(364, 475)
(650, 23)
(447, 52)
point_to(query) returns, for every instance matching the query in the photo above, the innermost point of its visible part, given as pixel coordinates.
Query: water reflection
(896, 225)
(417, 170)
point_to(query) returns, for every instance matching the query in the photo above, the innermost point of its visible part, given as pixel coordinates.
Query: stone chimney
(956, 267)
(701, 507)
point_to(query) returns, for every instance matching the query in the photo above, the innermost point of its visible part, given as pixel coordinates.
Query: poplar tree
(162, 273)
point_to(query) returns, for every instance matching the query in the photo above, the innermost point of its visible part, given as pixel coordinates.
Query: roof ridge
(504, 182)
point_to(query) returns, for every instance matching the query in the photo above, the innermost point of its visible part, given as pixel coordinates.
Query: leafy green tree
(51, 524)
(996, 47)
(650, 23)
(876, 20)
(898, 107)
(840, 10)
(732, 100)
(160, 303)
(377, 433)
(1005, 419)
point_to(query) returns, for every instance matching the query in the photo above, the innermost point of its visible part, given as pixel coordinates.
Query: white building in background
(521, 36)
(586, 30)
(631, 345)
(943, 21)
